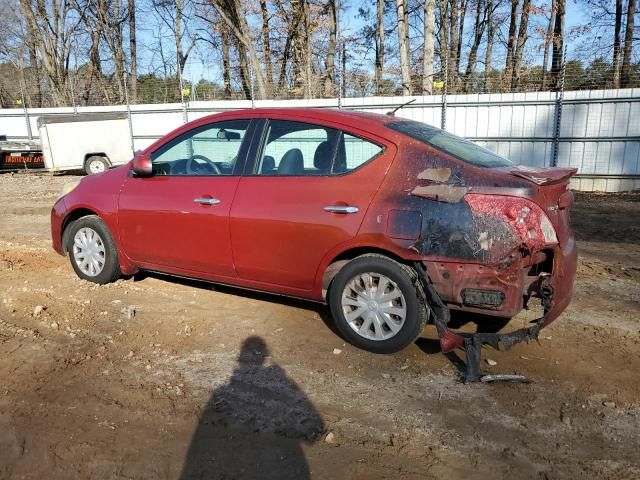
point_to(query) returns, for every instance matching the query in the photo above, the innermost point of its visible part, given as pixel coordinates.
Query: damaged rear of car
(488, 235)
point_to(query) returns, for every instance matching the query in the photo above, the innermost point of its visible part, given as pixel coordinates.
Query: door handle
(207, 201)
(341, 209)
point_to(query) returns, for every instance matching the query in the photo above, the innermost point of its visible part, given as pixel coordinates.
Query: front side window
(452, 144)
(304, 149)
(208, 150)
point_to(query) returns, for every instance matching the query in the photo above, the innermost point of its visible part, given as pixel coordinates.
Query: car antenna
(392, 113)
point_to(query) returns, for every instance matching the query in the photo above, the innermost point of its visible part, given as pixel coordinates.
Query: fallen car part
(473, 342)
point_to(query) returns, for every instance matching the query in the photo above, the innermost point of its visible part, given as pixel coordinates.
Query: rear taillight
(528, 220)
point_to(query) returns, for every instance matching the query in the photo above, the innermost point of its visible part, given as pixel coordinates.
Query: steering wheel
(194, 167)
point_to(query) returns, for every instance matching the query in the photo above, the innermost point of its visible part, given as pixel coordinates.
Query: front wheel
(92, 251)
(376, 305)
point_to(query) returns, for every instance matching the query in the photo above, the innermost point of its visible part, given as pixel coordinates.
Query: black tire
(92, 165)
(111, 267)
(404, 277)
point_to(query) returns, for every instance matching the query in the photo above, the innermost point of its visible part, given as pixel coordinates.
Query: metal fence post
(126, 97)
(558, 112)
(443, 114)
(253, 104)
(340, 72)
(26, 114)
(185, 115)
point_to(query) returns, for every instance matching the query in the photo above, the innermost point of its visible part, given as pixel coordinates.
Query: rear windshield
(458, 147)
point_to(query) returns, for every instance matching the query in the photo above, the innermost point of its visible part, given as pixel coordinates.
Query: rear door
(306, 192)
(178, 219)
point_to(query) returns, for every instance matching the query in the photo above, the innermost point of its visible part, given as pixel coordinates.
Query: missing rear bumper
(473, 342)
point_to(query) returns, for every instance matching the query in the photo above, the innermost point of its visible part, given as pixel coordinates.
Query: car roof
(328, 114)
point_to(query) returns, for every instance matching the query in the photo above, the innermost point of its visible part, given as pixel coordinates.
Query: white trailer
(92, 142)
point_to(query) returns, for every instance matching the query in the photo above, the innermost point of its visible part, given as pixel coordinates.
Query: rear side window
(358, 151)
(305, 149)
(452, 144)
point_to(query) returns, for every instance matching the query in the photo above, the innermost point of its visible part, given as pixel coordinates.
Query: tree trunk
(232, 12)
(380, 45)
(266, 45)
(454, 38)
(329, 74)
(489, 51)
(520, 43)
(628, 45)
(244, 70)
(427, 53)
(547, 43)
(558, 43)
(299, 69)
(478, 30)
(511, 41)
(403, 45)
(463, 12)
(308, 66)
(286, 53)
(226, 68)
(94, 62)
(133, 54)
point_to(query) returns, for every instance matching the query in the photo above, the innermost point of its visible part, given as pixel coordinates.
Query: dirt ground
(213, 382)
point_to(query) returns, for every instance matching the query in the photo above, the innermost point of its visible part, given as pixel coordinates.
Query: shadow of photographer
(255, 425)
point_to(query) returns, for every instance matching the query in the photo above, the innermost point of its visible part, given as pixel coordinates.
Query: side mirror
(141, 165)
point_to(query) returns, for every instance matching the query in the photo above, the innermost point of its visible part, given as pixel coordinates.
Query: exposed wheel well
(342, 259)
(72, 217)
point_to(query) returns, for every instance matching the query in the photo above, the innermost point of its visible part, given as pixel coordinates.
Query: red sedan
(391, 222)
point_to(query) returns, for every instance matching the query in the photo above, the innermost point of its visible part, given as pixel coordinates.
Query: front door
(178, 219)
(308, 192)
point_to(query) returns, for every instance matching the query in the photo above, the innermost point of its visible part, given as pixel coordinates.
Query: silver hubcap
(374, 306)
(96, 166)
(88, 251)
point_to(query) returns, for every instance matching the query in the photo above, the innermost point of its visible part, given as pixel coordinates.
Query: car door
(178, 219)
(306, 192)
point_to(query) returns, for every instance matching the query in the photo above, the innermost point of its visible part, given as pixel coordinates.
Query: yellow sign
(186, 91)
(18, 102)
(438, 84)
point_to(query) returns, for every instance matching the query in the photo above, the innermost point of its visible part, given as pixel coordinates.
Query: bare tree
(428, 49)
(558, 42)
(380, 45)
(478, 31)
(329, 75)
(133, 53)
(266, 46)
(490, 38)
(547, 43)
(54, 28)
(232, 12)
(511, 41)
(403, 45)
(226, 68)
(454, 41)
(520, 43)
(628, 45)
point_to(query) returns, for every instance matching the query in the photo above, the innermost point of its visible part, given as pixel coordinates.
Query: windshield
(451, 144)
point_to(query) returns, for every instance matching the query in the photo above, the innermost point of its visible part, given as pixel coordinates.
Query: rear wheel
(95, 164)
(92, 251)
(375, 304)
